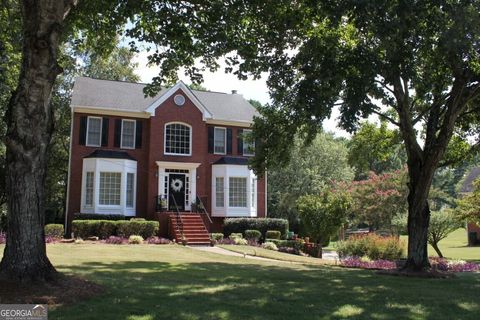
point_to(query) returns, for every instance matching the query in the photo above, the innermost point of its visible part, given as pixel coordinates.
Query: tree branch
(384, 116)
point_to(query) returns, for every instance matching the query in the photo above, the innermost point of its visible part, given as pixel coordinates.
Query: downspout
(69, 170)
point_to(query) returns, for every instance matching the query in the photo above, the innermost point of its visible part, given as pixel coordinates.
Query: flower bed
(440, 264)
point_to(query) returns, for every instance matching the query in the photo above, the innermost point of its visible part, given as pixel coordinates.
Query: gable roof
(467, 185)
(129, 97)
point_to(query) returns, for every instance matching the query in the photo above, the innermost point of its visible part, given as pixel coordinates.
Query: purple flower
(356, 262)
(158, 240)
(115, 240)
(50, 239)
(3, 237)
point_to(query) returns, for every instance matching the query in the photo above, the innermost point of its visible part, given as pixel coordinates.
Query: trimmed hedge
(106, 228)
(216, 236)
(240, 225)
(273, 234)
(295, 244)
(253, 235)
(373, 246)
(96, 216)
(146, 229)
(54, 230)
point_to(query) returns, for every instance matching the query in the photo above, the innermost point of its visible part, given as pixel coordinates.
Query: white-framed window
(110, 188)
(220, 139)
(219, 192)
(89, 183)
(253, 190)
(128, 134)
(237, 192)
(130, 190)
(248, 145)
(94, 131)
(178, 139)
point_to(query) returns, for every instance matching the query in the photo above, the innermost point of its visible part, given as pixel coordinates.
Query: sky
(223, 82)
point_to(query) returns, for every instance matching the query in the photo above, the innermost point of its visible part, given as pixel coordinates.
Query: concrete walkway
(327, 255)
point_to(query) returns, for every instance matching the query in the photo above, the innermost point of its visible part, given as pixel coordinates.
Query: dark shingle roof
(129, 96)
(232, 160)
(110, 154)
(467, 185)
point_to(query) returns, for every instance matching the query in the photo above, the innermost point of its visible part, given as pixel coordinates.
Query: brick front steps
(194, 230)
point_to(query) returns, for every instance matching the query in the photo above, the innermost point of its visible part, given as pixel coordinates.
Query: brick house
(150, 157)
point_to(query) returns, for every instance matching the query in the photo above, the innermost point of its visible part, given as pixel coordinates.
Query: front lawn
(270, 254)
(455, 246)
(174, 282)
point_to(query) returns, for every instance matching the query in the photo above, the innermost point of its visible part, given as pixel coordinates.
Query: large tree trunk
(30, 124)
(420, 180)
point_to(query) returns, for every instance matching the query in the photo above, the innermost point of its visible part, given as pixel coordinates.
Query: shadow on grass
(155, 290)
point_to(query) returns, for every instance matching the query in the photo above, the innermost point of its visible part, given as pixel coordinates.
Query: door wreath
(176, 185)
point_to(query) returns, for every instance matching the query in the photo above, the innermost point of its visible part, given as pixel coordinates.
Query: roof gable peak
(180, 85)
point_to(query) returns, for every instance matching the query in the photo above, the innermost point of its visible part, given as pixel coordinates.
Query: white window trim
(134, 134)
(165, 140)
(248, 131)
(121, 189)
(134, 190)
(89, 205)
(246, 192)
(225, 141)
(88, 126)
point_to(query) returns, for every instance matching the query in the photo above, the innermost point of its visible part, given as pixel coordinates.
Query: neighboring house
(467, 187)
(146, 157)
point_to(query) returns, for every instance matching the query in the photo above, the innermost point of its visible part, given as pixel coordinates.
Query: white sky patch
(226, 82)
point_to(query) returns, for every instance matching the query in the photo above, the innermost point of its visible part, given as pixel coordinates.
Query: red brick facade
(151, 151)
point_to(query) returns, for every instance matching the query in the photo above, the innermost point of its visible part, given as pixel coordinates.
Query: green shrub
(240, 241)
(96, 216)
(138, 219)
(105, 228)
(54, 230)
(269, 246)
(216, 236)
(234, 236)
(298, 244)
(372, 246)
(135, 239)
(273, 234)
(240, 225)
(84, 228)
(146, 229)
(253, 235)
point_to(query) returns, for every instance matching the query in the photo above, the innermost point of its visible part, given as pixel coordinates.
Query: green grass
(455, 247)
(173, 282)
(270, 254)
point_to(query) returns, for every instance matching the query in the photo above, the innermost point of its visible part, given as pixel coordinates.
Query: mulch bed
(62, 290)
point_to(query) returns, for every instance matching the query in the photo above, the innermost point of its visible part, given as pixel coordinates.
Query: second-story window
(128, 134)
(178, 139)
(248, 143)
(94, 131)
(220, 138)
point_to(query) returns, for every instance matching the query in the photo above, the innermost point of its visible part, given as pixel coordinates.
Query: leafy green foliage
(253, 235)
(322, 215)
(376, 149)
(106, 228)
(239, 225)
(54, 230)
(469, 206)
(442, 223)
(372, 246)
(311, 171)
(377, 200)
(273, 234)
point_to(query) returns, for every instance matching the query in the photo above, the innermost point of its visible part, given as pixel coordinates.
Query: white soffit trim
(234, 123)
(178, 165)
(110, 111)
(180, 85)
